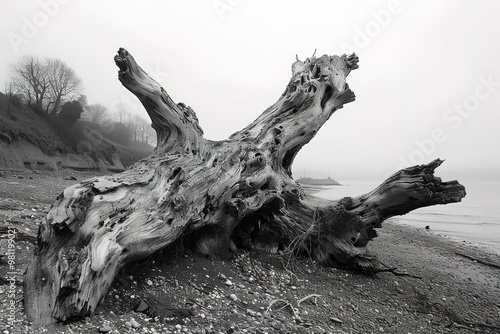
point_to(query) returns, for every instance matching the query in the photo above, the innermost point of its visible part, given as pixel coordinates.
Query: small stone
(222, 276)
(233, 297)
(178, 326)
(337, 320)
(70, 178)
(228, 283)
(293, 287)
(105, 329)
(128, 324)
(149, 282)
(134, 323)
(141, 307)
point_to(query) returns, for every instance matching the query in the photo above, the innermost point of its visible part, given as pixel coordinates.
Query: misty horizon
(478, 175)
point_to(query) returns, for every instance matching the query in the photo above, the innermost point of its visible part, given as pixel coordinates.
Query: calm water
(475, 219)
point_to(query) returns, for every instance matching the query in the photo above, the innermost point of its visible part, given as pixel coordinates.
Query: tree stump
(215, 193)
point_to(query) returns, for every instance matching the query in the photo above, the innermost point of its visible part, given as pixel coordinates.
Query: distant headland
(318, 182)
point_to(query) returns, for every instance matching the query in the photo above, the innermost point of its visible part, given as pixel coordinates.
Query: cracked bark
(215, 192)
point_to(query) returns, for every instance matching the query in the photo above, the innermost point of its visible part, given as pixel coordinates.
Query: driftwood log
(237, 191)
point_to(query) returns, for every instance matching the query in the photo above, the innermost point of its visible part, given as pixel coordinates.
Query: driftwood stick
(486, 263)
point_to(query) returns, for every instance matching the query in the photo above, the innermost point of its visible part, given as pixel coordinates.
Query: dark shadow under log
(239, 189)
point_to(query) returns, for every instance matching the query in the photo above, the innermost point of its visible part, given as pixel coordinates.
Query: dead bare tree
(214, 193)
(46, 83)
(31, 79)
(64, 84)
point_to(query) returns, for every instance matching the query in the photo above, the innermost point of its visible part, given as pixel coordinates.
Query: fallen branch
(286, 304)
(393, 271)
(314, 295)
(486, 263)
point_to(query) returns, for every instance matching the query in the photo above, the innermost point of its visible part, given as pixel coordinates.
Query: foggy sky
(428, 84)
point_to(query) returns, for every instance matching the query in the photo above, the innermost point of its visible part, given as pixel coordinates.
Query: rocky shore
(428, 287)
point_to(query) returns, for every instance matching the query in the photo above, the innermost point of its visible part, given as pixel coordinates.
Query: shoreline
(466, 221)
(407, 237)
(485, 246)
(452, 294)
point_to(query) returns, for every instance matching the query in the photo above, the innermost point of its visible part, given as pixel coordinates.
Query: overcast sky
(428, 84)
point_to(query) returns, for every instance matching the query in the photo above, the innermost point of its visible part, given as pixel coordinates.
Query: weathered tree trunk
(213, 193)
